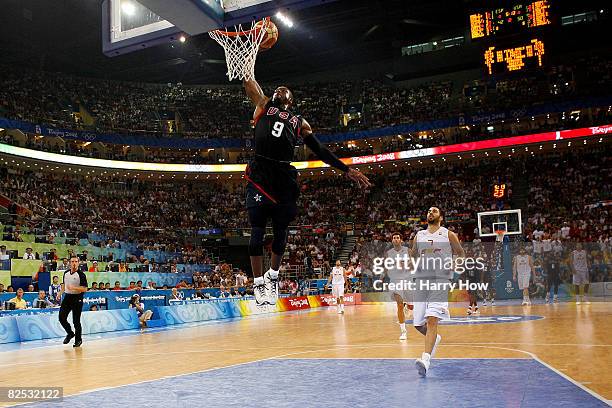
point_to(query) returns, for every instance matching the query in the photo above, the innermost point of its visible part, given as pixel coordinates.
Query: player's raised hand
(358, 177)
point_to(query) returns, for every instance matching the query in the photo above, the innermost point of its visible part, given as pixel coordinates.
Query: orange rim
(239, 33)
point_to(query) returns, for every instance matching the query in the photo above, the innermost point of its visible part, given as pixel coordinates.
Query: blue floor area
(452, 383)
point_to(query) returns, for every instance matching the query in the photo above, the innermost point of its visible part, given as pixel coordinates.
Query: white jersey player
(580, 271)
(434, 248)
(521, 273)
(337, 279)
(400, 271)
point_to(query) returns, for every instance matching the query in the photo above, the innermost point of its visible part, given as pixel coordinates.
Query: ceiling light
(128, 8)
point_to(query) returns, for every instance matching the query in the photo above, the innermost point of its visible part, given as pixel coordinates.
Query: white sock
(403, 327)
(433, 351)
(258, 281)
(272, 274)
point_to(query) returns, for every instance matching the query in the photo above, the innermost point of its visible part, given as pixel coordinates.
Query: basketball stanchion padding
(241, 46)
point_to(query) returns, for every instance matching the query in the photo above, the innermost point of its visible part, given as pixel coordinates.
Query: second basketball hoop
(241, 46)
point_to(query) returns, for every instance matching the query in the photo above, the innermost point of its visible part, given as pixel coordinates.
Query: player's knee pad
(279, 242)
(257, 241)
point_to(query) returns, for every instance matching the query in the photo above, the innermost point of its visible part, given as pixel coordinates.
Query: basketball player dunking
(435, 246)
(272, 188)
(396, 274)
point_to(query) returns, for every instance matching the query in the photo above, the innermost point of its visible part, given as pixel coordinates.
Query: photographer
(143, 314)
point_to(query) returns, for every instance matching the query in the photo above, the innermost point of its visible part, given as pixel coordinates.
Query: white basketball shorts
(523, 280)
(338, 290)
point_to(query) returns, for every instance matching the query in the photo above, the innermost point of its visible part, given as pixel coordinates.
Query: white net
(241, 47)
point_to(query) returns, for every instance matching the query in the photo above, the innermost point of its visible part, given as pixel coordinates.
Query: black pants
(74, 304)
(552, 281)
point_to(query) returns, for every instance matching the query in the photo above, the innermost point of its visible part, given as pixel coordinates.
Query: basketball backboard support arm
(170, 19)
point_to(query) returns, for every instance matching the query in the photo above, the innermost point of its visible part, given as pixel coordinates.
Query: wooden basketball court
(570, 342)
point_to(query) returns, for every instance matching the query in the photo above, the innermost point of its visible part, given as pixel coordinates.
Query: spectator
(241, 279)
(42, 301)
(4, 255)
(29, 255)
(175, 295)
(19, 301)
(64, 266)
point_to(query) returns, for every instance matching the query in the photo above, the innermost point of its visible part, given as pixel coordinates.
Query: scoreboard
(509, 20)
(501, 60)
(513, 37)
(499, 191)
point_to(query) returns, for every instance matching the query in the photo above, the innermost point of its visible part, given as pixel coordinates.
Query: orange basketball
(270, 35)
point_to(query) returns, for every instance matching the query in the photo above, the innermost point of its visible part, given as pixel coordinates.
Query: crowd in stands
(224, 111)
(580, 212)
(564, 188)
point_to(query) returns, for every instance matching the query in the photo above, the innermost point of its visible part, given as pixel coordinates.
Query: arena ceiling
(65, 35)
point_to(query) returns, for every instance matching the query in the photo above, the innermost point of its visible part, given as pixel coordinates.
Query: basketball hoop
(241, 47)
(500, 235)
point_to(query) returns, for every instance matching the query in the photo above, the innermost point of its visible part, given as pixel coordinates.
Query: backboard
(509, 221)
(131, 25)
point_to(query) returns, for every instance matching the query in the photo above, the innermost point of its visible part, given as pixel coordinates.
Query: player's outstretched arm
(328, 157)
(255, 93)
(456, 245)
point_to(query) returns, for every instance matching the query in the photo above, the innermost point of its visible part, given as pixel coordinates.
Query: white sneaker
(585, 300)
(261, 297)
(484, 302)
(271, 286)
(547, 299)
(422, 365)
(555, 299)
(438, 340)
(524, 302)
(404, 335)
(577, 301)
(476, 311)
(492, 302)
(469, 311)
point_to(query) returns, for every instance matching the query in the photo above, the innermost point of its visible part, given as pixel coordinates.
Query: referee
(75, 284)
